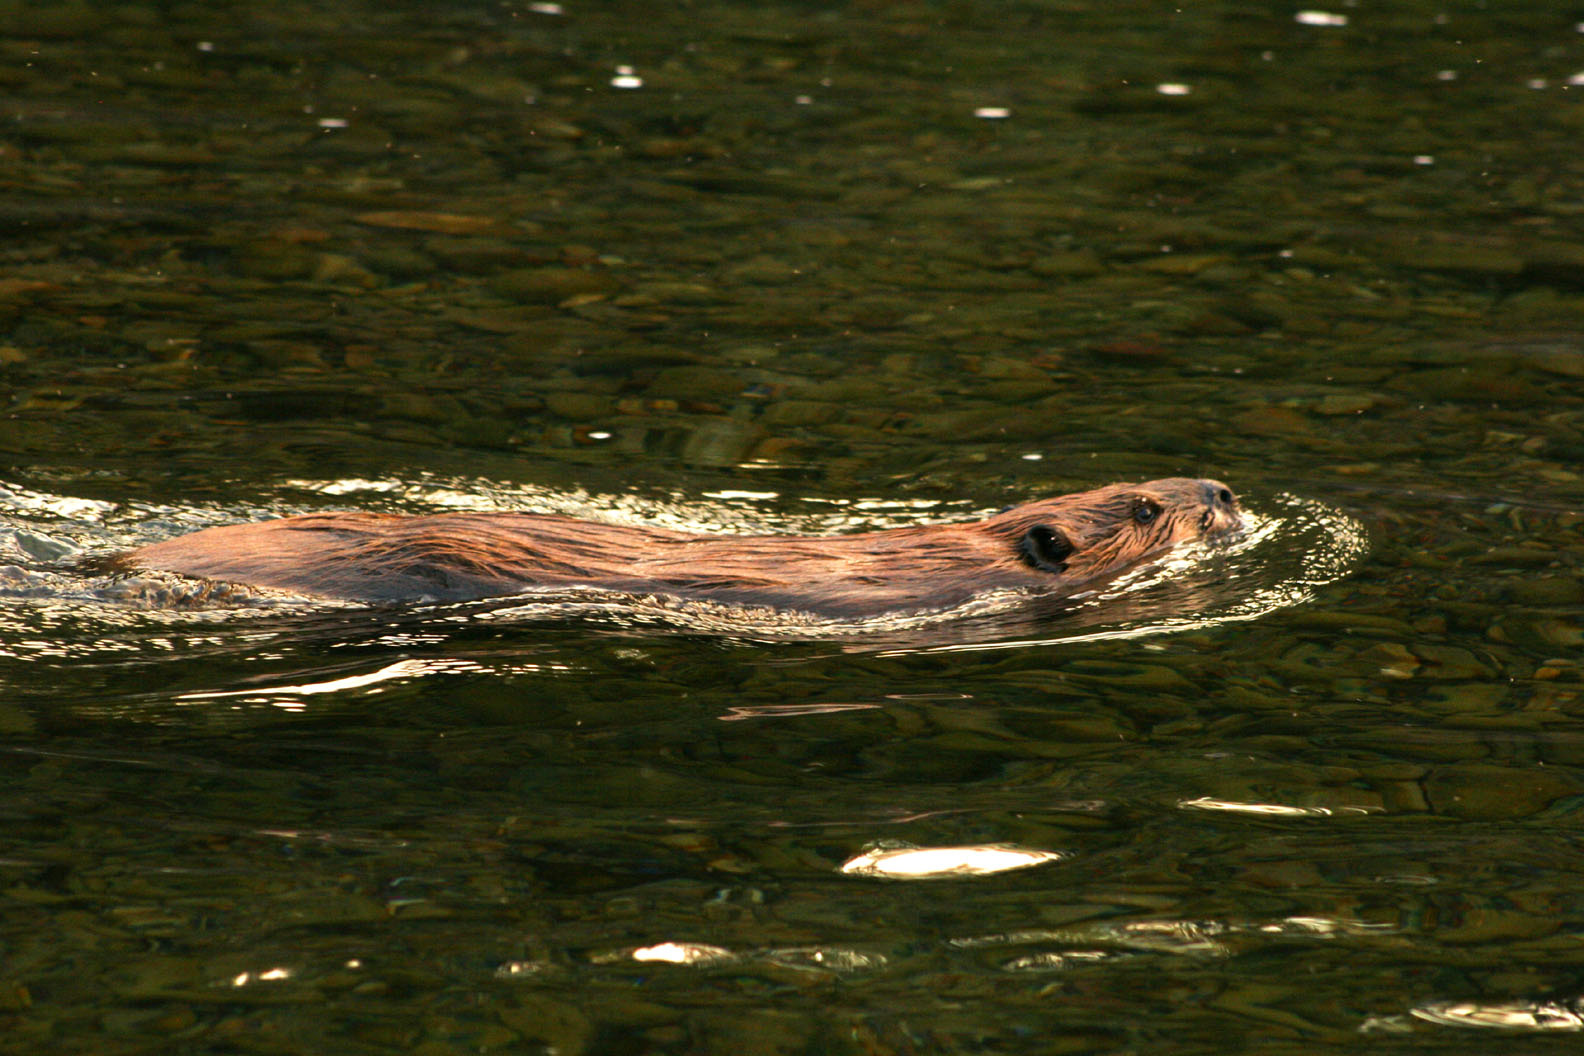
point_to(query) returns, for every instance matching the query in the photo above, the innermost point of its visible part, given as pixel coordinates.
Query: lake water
(811, 268)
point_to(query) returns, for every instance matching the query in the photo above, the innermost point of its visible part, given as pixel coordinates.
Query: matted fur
(376, 557)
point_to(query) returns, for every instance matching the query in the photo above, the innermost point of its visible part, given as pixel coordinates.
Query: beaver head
(1098, 533)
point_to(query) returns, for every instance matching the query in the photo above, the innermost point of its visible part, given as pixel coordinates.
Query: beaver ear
(1046, 548)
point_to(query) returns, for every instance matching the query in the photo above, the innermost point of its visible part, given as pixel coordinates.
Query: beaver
(1051, 548)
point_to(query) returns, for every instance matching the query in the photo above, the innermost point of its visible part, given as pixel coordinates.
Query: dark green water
(774, 266)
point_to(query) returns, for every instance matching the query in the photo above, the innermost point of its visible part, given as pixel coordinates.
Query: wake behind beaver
(1049, 549)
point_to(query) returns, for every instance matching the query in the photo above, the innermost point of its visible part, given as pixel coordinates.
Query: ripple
(1267, 810)
(832, 960)
(1185, 937)
(1547, 1016)
(683, 953)
(935, 863)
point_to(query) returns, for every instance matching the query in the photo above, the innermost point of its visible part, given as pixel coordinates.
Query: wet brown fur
(377, 557)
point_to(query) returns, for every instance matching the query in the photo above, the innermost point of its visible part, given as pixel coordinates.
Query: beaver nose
(1222, 507)
(1218, 496)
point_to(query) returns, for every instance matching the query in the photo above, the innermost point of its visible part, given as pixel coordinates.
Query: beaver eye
(1146, 511)
(1046, 548)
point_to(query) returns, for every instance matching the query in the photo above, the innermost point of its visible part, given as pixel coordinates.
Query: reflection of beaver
(1052, 548)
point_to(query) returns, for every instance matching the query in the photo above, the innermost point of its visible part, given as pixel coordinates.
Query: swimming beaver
(1051, 549)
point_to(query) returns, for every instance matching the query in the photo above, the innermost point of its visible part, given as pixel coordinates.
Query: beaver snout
(1221, 508)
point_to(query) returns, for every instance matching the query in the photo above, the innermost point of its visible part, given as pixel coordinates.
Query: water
(759, 267)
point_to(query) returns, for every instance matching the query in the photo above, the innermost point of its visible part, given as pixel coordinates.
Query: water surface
(788, 267)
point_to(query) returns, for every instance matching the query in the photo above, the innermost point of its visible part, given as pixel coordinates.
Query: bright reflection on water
(1155, 936)
(1514, 1016)
(933, 863)
(287, 695)
(1269, 810)
(682, 953)
(800, 958)
(785, 711)
(269, 975)
(1064, 948)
